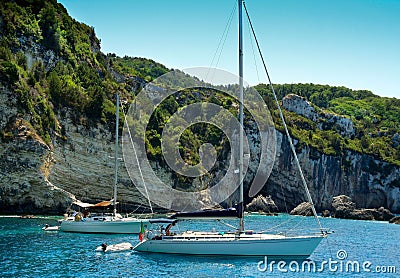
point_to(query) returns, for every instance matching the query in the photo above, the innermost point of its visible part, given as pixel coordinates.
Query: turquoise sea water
(27, 251)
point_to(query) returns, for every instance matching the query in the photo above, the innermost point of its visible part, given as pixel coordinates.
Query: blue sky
(352, 43)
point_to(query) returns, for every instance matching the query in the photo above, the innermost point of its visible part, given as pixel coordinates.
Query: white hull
(233, 245)
(119, 247)
(51, 228)
(119, 226)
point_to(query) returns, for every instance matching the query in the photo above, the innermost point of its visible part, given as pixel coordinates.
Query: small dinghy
(120, 247)
(50, 228)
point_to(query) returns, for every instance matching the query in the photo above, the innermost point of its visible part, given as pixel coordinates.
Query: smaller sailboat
(105, 223)
(239, 242)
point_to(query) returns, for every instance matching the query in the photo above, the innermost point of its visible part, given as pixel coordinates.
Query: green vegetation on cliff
(144, 68)
(376, 120)
(51, 62)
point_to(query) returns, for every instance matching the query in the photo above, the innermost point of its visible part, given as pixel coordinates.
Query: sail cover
(207, 214)
(82, 204)
(104, 204)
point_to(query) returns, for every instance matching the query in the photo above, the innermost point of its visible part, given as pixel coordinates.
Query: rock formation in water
(303, 209)
(343, 207)
(262, 204)
(395, 220)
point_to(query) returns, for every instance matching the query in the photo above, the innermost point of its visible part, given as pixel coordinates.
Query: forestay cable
(284, 124)
(137, 161)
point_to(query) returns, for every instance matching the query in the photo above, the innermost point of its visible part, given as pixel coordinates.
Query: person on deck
(167, 232)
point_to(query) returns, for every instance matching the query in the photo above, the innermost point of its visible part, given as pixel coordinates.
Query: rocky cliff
(57, 115)
(57, 139)
(371, 183)
(25, 163)
(39, 178)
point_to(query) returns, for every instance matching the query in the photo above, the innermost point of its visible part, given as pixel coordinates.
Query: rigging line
(184, 208)
(222, 41)
(329, 247)
(291, 219)
(284, 124)
(296, 225)
(254, 55)
(137, 161)
(226, 36)
(227, 224)
(139, 206)
(276, 226)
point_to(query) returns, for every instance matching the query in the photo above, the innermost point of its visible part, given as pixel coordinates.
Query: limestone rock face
(42, 178)
(84, 165)
(262, 204)
(39, 178)
(36, 52)
(24, 165)
(369, 182)
(303, 209)
(301, 106)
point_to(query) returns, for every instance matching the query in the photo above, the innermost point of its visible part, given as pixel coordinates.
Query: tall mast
(116, 156)
(241, 206)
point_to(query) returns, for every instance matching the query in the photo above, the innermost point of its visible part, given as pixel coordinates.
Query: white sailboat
(239, 242)
(105, 223)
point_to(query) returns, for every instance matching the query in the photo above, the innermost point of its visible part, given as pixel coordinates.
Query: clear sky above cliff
(354, 43)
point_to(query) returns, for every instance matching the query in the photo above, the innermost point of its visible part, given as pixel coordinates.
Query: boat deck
(191, 235)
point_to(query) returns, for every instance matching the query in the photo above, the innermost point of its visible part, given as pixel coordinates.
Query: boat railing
(219, 237)
(297, 232)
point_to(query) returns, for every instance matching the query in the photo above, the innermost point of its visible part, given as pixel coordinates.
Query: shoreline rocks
(262, 204)
(304, 209)
(326, 213)
(395, 220)
(344, 207)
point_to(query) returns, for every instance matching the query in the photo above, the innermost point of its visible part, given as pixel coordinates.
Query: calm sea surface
(27, 251)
